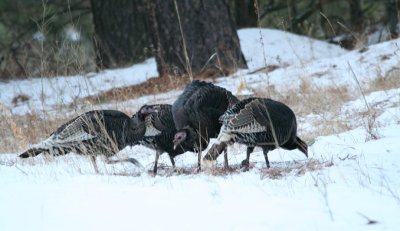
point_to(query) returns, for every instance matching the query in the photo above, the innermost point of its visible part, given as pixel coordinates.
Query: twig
(324, 191)
(21, 170)
(390, 189)
(262, 42)
(349, 31)
(329, 22)
(188, 66)
(208, 61)
(371, 113)
(353, 157)
(370, 222)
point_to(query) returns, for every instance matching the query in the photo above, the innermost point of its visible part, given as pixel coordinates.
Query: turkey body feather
(259, 122)
(199, 108)
(160, 131)
(196, 115)
(98, 132)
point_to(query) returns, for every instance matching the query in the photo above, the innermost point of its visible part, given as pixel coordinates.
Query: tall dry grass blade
(185, 53)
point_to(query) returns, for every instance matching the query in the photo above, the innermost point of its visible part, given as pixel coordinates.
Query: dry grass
(17, 132)
(321, 107)
(152, 86)
(278, 170)
(313, 104)
(324, 104)
(383, 83)
(310, 98)
(297, 168)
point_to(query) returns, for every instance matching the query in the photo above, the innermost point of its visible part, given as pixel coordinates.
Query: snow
(335, 70)
(349, 181)
(46, 93)
(282, 48)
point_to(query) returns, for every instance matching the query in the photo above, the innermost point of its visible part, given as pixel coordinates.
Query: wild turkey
(160, 131)
(259, 122)
(92, 133)
(196, 113)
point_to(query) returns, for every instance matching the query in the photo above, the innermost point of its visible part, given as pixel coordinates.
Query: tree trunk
(200, 39)
(245, 13)
(392, 19)
(120, 32)
(356, 15)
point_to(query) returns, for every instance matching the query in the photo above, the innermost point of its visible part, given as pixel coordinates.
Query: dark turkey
(160, 131)
(92, 133)
(196, 115)
(259, 122)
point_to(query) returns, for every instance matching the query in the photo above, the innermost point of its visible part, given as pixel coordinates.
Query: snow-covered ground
(349, 181)
(47, 93)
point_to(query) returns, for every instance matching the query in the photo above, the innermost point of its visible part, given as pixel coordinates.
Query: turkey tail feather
(31, 152)
(302, 146)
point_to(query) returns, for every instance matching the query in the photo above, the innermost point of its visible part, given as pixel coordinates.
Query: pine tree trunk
(392, 19)
(120, 32)
(356, 15)
(210, 45)
(245, 13)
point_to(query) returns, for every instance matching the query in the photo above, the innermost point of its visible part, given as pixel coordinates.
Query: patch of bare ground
(136, 174)
(151, 86)
(222, 171)
(298, 168)
(277, 170)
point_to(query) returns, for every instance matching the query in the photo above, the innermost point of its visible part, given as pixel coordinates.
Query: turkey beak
(176, 143)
